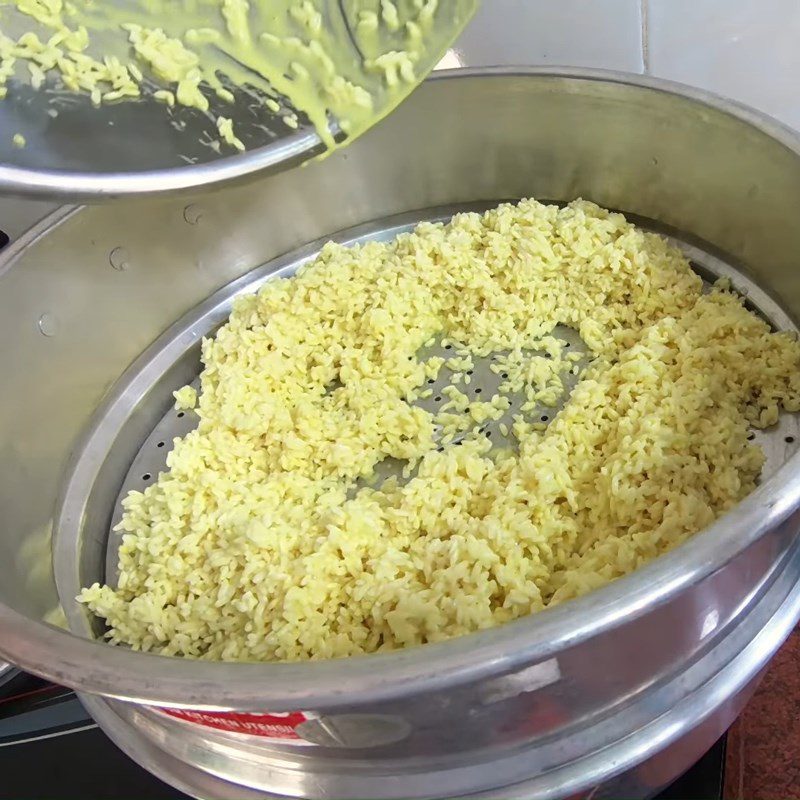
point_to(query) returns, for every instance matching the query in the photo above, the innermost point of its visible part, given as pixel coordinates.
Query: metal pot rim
(95, 667)
(71, 186)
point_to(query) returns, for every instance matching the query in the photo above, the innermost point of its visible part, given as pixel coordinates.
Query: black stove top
(51, 750)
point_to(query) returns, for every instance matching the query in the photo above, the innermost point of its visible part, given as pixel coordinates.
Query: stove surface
(50, 748)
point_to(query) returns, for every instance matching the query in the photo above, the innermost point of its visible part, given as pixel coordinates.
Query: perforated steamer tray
(181, 348)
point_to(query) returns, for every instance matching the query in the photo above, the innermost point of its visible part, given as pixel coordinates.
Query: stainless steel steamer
(613, 694)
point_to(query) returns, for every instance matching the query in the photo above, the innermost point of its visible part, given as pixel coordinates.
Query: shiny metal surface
(76, 151)
(24, 178)
(6, 671)
(668, 650)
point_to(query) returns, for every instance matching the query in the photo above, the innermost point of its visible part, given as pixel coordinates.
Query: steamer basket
(614, 694)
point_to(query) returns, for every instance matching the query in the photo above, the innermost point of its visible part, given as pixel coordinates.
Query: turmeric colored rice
(264, 539)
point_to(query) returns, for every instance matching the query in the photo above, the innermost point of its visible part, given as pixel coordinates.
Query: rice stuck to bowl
(264, 539)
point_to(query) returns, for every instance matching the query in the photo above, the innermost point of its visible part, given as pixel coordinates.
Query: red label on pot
(274, 726)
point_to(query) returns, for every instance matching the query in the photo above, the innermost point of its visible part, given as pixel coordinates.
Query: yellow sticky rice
(259, 544)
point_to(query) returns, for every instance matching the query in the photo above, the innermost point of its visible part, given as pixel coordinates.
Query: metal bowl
(616, 692)
(75, 151)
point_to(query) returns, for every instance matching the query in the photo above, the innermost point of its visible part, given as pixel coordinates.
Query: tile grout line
(645, 34)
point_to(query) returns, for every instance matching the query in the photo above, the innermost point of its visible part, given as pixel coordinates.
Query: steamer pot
(614, 694)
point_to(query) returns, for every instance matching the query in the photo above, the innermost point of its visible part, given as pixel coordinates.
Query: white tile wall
(584, 33)
(745, 49)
